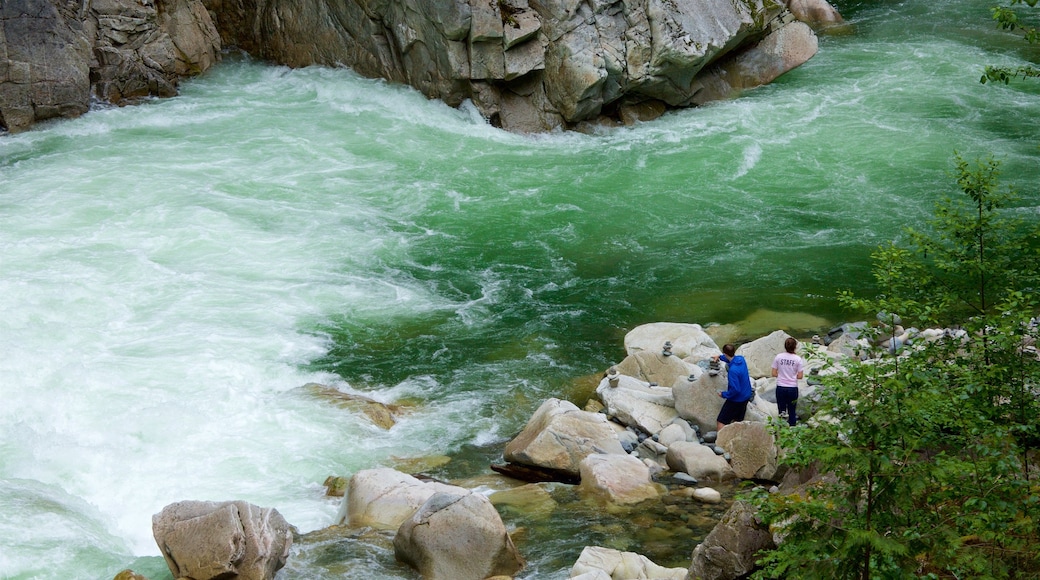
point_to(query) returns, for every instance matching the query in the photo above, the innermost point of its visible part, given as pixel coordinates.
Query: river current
(172, 273)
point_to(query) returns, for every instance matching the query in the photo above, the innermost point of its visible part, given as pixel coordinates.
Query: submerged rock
(380, 414)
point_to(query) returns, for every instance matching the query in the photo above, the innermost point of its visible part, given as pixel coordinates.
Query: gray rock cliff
(56, 55)
(534, 65)
(527, 65)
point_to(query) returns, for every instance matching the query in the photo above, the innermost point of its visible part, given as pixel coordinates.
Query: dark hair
(790, 344)
(729, 350)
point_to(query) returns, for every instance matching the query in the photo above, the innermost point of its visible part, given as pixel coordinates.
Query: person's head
(790, 344)
(729, 350)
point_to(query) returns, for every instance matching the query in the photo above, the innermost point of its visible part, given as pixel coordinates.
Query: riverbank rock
(760, 353)
(457, 537)
(383, 498)
(688, 341)
(206, 540)
(729, 551)
(655, 367)
(596, 562)
(699, 461)
(752, 449)
(526, 66)
(698, 401)
(55, 55)
(816, 13)
(559, 435)
(620, 479)
(638, 404)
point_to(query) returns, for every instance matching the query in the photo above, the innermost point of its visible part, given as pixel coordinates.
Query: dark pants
(732, 412)
(785, 403)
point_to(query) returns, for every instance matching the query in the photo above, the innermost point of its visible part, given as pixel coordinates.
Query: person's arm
(800, 375)
(774, 371)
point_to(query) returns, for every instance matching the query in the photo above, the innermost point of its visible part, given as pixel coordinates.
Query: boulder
(596, 562)
(672, 433)
(559, 435)
(689, 341)
(699, 402)
(206, 540)
(816, 13)
(637, 404)
(729, 551)
(654, 367)
(457, 537)
(752, 449)
(760, 353)
(620, 479)
(383, 498)
(699, 461)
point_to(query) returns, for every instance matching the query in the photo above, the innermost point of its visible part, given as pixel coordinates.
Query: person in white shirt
(788, 368)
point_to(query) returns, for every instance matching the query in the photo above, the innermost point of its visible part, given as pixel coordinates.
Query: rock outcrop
(55, 55)
(527, 65)
(206, 540)
(535, 65)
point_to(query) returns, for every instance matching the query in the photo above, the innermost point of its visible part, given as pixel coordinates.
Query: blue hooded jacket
(738, 379)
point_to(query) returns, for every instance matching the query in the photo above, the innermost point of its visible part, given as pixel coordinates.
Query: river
(172, 273)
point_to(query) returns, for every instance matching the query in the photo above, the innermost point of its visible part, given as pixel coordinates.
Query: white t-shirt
(787, 366)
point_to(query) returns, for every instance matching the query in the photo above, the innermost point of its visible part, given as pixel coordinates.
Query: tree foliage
(1008, 18)
(930, 455)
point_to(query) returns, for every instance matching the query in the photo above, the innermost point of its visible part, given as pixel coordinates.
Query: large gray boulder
(598, 562)
(752, 449)
(655, 367)
(55, 54)
(619, 479)
(637, 404)
(559, 435)
(457, 537)
(233, 540)
(760, 353)
(698, 461)
(699, 402)
(528, 65)
(729, 551)
(383, 498)
(689, 341)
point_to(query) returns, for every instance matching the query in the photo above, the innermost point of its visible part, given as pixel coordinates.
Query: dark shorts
(732, 412)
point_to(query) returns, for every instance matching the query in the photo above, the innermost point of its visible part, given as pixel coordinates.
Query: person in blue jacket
(739, 392)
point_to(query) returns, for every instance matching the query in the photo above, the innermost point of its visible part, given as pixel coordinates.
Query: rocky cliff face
(55, 55)
(534, 65)
(528, 65)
